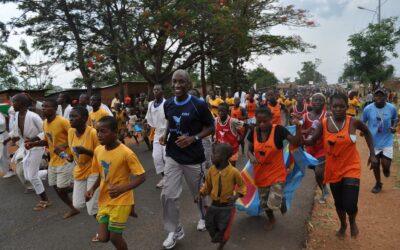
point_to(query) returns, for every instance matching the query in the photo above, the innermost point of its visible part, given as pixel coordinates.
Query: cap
(382, 90)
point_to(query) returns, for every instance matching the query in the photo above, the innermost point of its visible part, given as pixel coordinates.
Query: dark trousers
(345, 194)
(219, 222)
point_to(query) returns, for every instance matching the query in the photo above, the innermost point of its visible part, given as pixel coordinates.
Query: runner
(230, 100)
(60, 167)
(115, 163)
(251, 106)
(156, 119)
(382, 119)
(312, 119)
(239, 113)
(266, 154)
(121, 118)
(354, 104)
(82, 141)
(343, 164)
(64, 107)
(275, 107)
(98, 112)
(143, 106)
(213, 103)
(4, 159)
(300, 107)
(28, 125)
(84, 101)
(241, 95)
(224, 185)
(226, 131)
(189, 120)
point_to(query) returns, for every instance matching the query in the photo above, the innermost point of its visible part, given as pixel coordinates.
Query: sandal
(41, 205)
(96, 238)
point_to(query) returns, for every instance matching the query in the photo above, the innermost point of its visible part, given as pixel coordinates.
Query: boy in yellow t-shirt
(115, 163)
(60, 169)
(98, 112)
(82, 141)
(213, 103)
(354, 104)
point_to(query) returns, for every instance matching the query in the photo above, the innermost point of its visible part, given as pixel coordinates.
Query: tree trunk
(203, 68)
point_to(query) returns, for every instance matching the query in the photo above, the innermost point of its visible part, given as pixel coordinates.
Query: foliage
(262, 77)
(370, 51)
(309, 73)
(116, 39)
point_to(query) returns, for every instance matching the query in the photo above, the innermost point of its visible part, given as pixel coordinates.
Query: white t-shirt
(242, 98)
(156, 118)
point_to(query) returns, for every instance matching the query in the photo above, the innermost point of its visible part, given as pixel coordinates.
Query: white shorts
(61, 176)
(78, 195)
(387, 152)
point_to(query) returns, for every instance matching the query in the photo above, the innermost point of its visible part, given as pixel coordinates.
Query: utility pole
(379, 12)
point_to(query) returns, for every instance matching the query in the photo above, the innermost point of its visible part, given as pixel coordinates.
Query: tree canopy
(117, 39)
(309, 73)
(370, 51)
(262, 77)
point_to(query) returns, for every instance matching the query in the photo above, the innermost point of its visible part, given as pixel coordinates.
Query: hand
(58, 149)
(197, 199)
(184, 141)
(392, 130)
(29, 145)
(232, 199)
(253, 160)
(15, 139)
(89, 195)
(115, 191)
(373, 161)
(80, 150)
(296, 120)
(162, 140)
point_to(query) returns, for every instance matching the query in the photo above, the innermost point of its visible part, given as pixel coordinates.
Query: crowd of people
(81, 149)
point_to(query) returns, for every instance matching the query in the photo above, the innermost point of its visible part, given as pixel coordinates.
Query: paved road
(23, 228)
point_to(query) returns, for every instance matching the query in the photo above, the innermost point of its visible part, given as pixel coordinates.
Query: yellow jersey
(56, 134)
(115, 167)
(88, 140)
(214, 105)
(94, 117)
(353, 104)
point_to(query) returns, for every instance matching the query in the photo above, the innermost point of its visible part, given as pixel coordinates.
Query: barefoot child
(221, 180)
(115, 163)
(266, 154)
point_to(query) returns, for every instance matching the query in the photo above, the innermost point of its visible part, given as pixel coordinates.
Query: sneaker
(179, 234)
(9, 174)
(160, 184)
(324, 195)
(386, 172)
(170, 241)
(201, 225)
(377, 188)
(172, 237)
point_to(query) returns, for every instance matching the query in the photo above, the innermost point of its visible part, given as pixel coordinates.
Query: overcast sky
(336, 19)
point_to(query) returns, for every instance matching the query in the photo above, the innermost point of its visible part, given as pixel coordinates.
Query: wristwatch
(196, 138)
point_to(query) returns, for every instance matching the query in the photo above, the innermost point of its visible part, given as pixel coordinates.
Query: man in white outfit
(4, 138)
(242, 96)
(64, 108)
(29, 125)
(156, 119)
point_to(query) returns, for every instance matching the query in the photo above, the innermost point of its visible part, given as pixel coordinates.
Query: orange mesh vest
(251, 109)
(342, 158)
(237, 113)
(276, 114)
(271, 166)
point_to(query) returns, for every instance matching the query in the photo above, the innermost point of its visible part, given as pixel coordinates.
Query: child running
(82, 141)
(266, 154)
(221, 181)
(115, 163)
(60, 169)
(226, 131)
(343, 164)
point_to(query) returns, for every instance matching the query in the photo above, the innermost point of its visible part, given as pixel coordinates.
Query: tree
(262, 77)
(309, 73)
(370, 51)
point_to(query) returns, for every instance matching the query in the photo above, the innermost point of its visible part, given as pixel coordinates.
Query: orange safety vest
(271, 166)
(276, 113)
(251, 109)
(342, 157)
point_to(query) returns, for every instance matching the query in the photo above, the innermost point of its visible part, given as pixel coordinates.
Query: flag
(296, 160)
